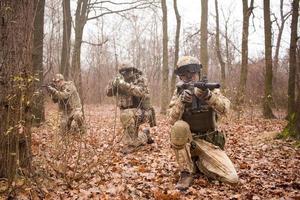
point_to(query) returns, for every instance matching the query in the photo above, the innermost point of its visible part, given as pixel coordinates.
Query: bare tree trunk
(80, 21)
(66, 44)
(165, 68)
(38, 108)
(268, 98)
(244, 67)
(204, 36)
(297, 124)
(219, 54)
(16, 86)
(292, 67)
(177, 36)
(293, 127)
(228, 54)
(283, 18)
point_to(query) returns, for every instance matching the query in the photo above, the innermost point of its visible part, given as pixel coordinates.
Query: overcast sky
(190, 10)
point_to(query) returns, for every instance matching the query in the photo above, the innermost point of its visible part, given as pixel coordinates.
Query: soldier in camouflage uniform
(65, 94)
(197, 143)
(130, 87)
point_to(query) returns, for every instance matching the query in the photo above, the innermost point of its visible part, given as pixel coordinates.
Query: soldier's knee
(127, 117)
(180, 134)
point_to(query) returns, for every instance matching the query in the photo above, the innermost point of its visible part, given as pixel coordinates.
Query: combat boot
(185, 181)
(149, 139)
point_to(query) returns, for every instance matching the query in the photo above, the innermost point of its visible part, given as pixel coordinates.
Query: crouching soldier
(197, 143)
(65, 94)
(134, 102)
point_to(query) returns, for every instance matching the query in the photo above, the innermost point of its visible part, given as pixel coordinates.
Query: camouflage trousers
(67, 119)
(131, 119)
(202, 153)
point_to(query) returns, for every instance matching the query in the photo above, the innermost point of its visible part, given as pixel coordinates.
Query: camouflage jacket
(131, 94)
(218, 102)
(67, 97)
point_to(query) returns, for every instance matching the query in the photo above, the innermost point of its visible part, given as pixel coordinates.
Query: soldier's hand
(202, 94)
(186, 96)
(118, 81)
(51, 89)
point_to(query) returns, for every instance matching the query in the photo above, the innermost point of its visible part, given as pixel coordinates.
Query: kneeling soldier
(134, 102)
(197, 143)
(65, 94)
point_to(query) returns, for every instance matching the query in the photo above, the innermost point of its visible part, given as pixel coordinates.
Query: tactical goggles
(186, 69)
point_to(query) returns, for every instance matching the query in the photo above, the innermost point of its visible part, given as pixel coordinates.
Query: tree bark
(38, 108)
(16, 86)
(80, 21)
(66, 44)
(219, 51)
(292, 66)
(283, 18)
(204, 36)
(292, 129)
(244, 67)
(267, 111)
(165, 67)
(297, 135)
(177, 36)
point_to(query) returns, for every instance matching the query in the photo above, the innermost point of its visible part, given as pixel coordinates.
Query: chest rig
(200, 116)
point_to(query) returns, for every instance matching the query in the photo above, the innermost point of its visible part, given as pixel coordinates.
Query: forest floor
(92, 167)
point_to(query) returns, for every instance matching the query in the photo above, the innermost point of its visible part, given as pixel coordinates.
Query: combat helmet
(58, 77)
(127, 67)
(187, 63)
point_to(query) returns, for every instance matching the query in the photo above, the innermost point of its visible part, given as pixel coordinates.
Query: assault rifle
(52, 84)
(203, 85)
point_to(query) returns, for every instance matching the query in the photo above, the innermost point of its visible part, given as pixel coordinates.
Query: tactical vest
(200, 116)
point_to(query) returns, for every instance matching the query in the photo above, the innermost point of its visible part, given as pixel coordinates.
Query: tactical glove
(202, 94)
(186, 96)
(119, 80)
(51, 89)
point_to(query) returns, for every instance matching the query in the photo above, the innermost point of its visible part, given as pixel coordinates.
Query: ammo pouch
(136, 101)
(200, 121)
(127, 102)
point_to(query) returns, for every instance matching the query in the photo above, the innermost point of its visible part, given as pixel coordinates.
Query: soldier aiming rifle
(65, 94)
(195, 138)
(130, 86)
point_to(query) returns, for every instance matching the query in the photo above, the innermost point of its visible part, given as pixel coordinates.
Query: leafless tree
(204, 36)
(218, 47)
(293, 63)
(38, 109)
(247, 11)
(16, 86)
(268, 98)
(280, 26)
(293, 127)
(177, 36)
(165, 67)
(66, 43)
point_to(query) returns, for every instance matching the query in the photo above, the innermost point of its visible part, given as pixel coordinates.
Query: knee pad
(180, 134)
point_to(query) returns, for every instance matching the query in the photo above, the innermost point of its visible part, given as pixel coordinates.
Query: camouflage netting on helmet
(126, 66)
(58, 77)
(187, 63)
